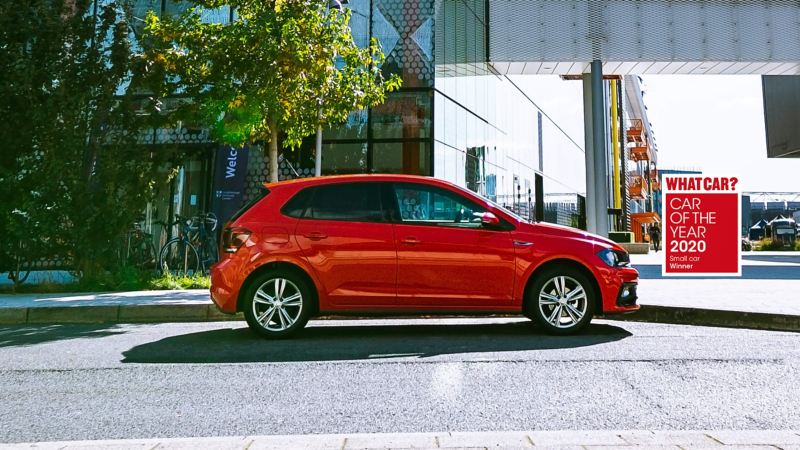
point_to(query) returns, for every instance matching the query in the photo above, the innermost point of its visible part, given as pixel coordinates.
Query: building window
(405, 115)
(401, 157)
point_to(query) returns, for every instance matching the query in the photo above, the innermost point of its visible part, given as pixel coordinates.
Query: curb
(588, 440)
(114, 314)
(210, 313)
(712, 318)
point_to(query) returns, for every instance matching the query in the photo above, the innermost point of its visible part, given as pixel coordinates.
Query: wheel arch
(560, 263)
(278, 265)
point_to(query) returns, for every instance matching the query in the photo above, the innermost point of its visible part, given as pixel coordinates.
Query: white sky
(715, 123)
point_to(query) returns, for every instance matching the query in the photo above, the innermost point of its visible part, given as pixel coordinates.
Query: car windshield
(506, 210)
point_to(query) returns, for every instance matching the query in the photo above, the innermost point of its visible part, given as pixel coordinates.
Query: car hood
(561, 231)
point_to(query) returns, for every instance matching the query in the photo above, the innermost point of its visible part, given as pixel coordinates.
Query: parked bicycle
(194, 249)
(139, 250)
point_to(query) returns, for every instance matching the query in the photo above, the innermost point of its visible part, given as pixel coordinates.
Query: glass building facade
(454, 117)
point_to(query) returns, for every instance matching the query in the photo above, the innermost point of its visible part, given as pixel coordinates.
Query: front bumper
(619, 291)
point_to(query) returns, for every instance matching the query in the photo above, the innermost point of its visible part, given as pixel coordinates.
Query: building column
(594, 107)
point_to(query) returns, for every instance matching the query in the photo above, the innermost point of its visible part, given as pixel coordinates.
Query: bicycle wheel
(179, 257)
(208, 253)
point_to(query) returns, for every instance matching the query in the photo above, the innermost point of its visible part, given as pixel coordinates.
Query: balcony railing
(637, 188)
(635, 132)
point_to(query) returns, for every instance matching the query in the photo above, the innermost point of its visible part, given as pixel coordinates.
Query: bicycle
(194, 249)
(178, 256)
(139, 251)
(204, 240)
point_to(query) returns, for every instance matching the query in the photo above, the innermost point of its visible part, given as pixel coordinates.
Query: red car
(388, 244)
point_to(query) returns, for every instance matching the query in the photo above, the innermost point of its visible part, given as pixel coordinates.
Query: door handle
(316, 235)
(410, 241)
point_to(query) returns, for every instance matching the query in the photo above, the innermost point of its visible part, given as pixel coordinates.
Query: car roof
(314, 181)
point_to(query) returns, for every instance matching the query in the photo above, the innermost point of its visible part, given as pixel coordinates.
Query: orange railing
(635, 132)
(637, 188)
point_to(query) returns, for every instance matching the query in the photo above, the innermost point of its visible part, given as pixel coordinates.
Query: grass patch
(125, 279)
(169, 281)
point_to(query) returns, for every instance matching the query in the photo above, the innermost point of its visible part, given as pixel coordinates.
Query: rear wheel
(178, 258)
(561, 301)
(278, 303)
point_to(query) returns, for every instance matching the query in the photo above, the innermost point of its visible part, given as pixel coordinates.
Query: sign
(230, 169)
(701, 226)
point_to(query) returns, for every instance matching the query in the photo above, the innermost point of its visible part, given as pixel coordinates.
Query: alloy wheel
(277, 304)
(563, 302)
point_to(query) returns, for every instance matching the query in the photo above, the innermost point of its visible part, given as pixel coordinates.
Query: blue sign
(230, 169)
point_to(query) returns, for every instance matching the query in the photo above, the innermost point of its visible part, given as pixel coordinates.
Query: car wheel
(278, 303)
(561, 301)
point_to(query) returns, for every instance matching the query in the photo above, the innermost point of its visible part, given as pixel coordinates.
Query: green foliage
(169, 281)
(280, 66)
(72, 176)
(767, 245)
(120, 279)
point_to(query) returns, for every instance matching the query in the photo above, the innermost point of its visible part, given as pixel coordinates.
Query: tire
(564, 288)
(179, 258)
(295, 301)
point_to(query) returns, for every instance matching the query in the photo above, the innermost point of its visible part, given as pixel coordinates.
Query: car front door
(346, 235)
(445, 257)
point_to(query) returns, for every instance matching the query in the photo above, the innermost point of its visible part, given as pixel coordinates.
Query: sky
(715, 123)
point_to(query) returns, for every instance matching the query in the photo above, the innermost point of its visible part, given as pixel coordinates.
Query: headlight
(614, 258)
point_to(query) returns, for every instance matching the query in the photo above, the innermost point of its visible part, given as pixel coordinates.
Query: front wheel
(278, 303)
(561, 301)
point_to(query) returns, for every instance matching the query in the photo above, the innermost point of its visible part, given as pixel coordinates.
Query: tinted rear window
(358, 202)
(262, 192)
(297, 205)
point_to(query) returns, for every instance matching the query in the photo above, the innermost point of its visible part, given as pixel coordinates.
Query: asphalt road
(174, 380)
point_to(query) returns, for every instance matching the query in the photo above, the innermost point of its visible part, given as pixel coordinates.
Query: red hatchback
(388, 244)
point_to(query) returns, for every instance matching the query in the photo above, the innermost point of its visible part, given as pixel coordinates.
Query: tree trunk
(273, 151)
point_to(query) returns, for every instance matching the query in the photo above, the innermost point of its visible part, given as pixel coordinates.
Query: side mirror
(489, 220)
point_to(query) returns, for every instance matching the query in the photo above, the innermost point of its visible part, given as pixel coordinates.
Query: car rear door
(347, 237)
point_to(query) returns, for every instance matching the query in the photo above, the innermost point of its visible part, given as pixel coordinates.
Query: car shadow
(363, 342)
(16, 336)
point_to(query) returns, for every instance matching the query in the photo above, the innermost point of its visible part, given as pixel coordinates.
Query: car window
(296, 206)
(358, 202)
(431, 205)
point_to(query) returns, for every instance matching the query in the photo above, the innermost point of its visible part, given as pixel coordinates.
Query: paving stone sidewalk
(562, 440)
(766, 297)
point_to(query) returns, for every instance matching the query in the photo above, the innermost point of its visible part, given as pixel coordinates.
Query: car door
(346, 235)
(445, 257)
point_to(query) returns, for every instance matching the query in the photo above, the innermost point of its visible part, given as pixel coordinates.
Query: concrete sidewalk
(563, 440)
(766, 297)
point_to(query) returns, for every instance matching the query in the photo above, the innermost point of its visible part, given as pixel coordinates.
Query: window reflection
(404, 115)
(401, 157)
(344, 158)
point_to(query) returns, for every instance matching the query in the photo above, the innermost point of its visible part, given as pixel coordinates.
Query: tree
(72, 177)
(266, 72)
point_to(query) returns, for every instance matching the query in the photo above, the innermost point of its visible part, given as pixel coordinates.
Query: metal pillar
(594, 107)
